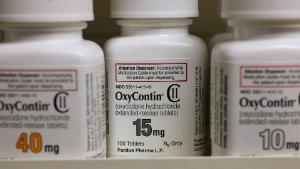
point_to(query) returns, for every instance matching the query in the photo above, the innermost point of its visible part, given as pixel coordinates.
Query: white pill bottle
(51, 82)
(157, 83)
(255, 80)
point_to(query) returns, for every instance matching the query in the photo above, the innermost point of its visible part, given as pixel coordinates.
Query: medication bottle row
(59, 94)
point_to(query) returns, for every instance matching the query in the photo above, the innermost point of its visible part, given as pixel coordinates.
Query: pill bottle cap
(154, 8)
(261, 9)
(46, 11)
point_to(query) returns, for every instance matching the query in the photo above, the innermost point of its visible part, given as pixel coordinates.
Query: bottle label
(156, 107)
(52, 113)
(255, 109)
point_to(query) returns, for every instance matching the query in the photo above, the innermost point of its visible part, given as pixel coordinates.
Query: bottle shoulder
(155, 46)
(220, 38)
(149, 40)
(257, 50)
(52, 53)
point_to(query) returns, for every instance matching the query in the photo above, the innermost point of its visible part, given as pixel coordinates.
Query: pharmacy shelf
(160, 163)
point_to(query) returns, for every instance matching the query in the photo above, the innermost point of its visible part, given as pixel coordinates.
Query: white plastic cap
(46, 10)
(261, 9)
(154, 8)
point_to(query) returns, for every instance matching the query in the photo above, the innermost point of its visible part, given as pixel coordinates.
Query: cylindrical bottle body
(52, 96)
(157, 90)
(254, 93)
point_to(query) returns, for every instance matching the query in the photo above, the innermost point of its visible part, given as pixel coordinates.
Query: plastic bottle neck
(265, 31)
(159, 27)
(43, 32)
